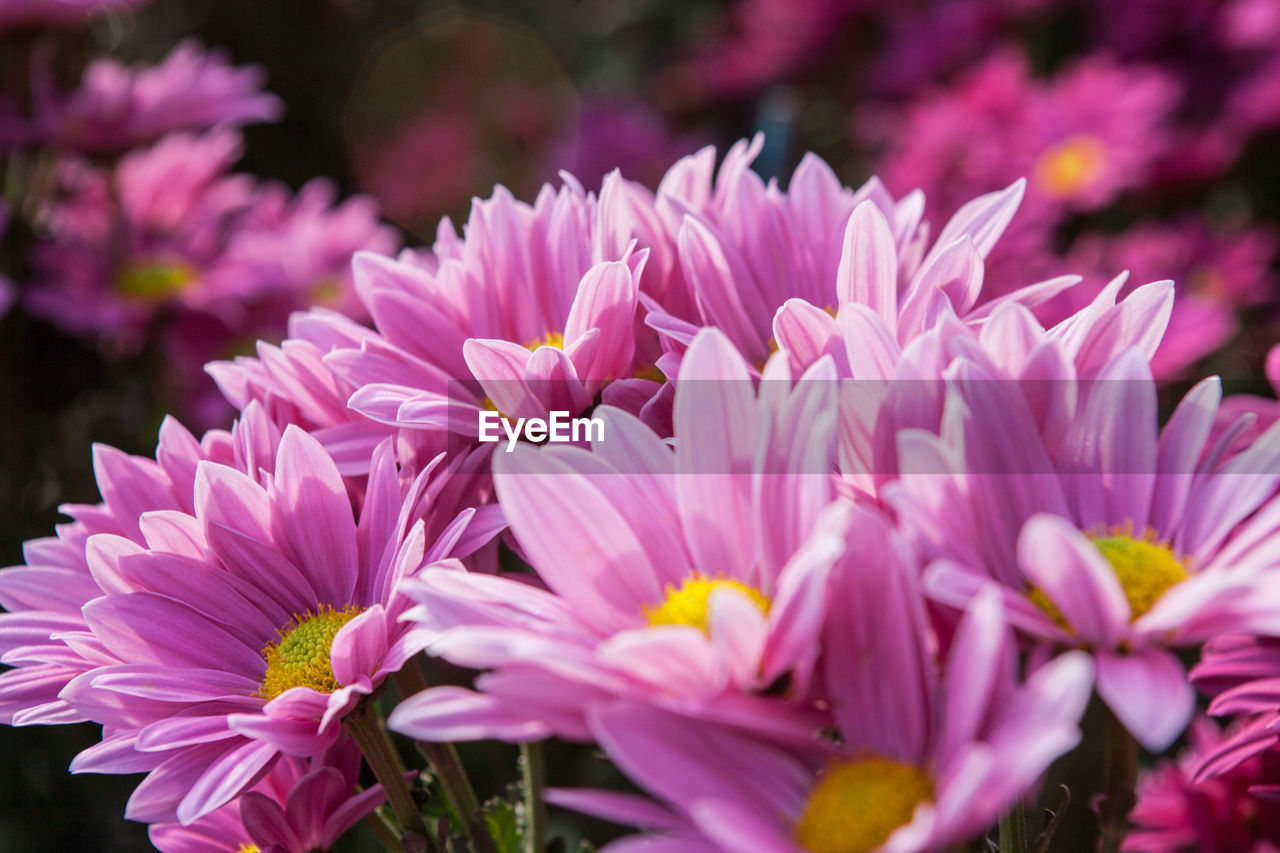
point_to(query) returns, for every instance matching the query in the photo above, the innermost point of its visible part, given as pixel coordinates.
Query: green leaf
(503, 823)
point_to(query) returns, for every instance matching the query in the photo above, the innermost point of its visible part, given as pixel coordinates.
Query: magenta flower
(654, 593)
(1219, 272)
(249, 628)
(44, 598)
(1230, 813)
(519, 317)
(117, 108)
(300, 806)
(746, 249)
(930, 751)
(1104, 532)
(171, 241)
(1242, 673)
(1081, 137)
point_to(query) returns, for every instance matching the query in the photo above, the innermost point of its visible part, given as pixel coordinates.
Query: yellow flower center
(248, 847)
(155, 282)
(550, 339)
(1145, 567)
(300, 657)
(857, 805)
(687, 604)
(1071, 165)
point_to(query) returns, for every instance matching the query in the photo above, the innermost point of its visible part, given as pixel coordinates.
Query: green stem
(366, 729)
(380, 825)
(442, 757)
(533, 775)
(1120, 767)
(1013, 830)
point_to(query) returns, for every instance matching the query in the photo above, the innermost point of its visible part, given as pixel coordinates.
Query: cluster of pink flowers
(140, 234)
(855, 540)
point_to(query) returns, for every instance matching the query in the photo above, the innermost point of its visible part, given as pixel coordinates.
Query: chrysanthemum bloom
(44, 597)
(1242, 673)
(300, 806)
(695, 581)
(249, 628)
(117, 107)
(1230, 813)
(1106, 533)
(1081, 137)
(747, 250)
(929, 753)
(15, 14)
(1220, 270)
(518, 317)
(903, 386)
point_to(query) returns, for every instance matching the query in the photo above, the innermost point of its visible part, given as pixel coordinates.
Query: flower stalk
(533, 776)
(1120, 768)
(366, 729)
(442, 758)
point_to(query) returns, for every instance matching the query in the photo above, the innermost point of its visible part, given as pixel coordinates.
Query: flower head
(253, 633)
(117, 108)
(300, 806)
(654, 591)
(1109, 534)
(930, 750)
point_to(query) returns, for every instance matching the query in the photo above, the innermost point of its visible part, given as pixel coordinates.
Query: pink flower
(117, 108)
(248, 628)
(1242, 673)
(44, 598)
(1219, 271)
(1225, 814)
(931, 750)
(523, 315)
(656, 591)
(1103, 532)
(1081, 137)
(300, 806)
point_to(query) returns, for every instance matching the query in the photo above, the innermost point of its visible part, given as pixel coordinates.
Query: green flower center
(155, 282)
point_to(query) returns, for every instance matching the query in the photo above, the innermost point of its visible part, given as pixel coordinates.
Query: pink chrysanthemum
(1081, 137)
(300, 806)
(930, 752)
(248, 628)
(1103, 532)
(1175, 813)
(171, 229)
(693, 580)
(44, 598)
(117, 108)
(1242, 673)
(1219, 271)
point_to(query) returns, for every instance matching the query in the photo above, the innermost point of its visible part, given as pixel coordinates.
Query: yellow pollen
(550, 339)
(687, 605)
(1145, 567)
(300, 657)
(248, 847)
(1071, 165)
(857, 804)
(155, 282)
